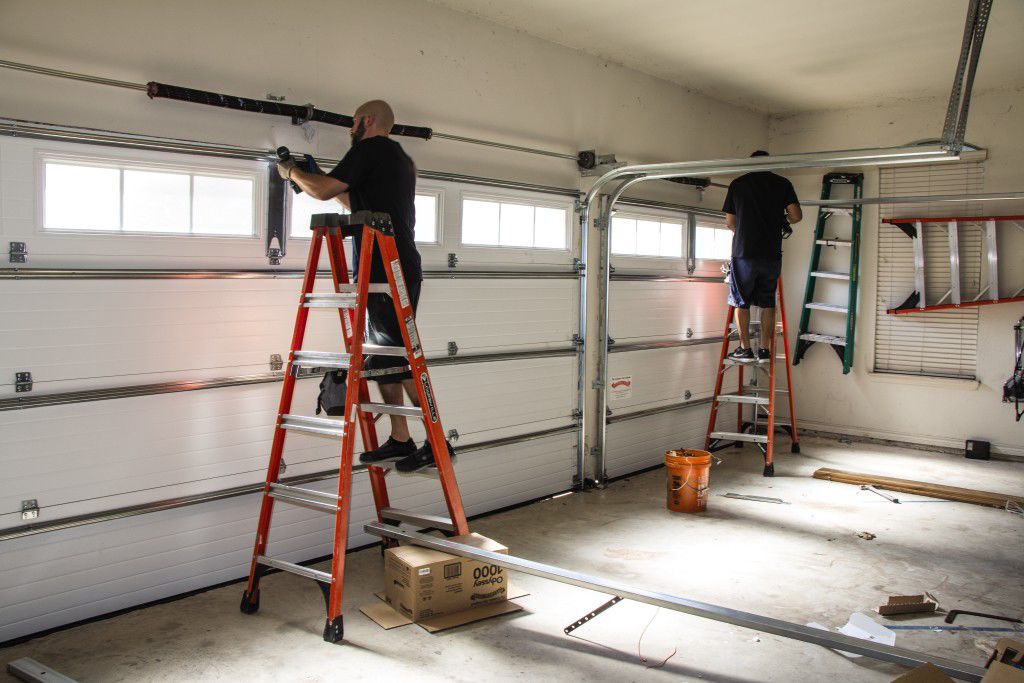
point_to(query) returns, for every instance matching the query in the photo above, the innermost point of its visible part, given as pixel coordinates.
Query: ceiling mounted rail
(297, 113)
(955, 127)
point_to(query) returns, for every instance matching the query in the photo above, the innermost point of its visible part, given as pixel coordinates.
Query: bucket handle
(686, 483)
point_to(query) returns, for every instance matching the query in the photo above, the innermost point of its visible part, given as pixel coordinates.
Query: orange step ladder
(349, 299)
(761, 427)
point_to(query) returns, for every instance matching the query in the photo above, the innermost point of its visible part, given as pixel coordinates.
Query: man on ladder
(759, 207)
(377, 175)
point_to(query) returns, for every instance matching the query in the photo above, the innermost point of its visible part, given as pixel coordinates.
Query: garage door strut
(349, 299)
(760, 428)
(843, 345)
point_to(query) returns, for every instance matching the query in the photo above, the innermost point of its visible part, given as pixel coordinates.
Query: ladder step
(329, 301)
(740, 436)
(742, 398)
(834, 308)
(291, 567)
(387, 409)
(320, 426)
(825, 338)
(321, 359)
(373, 349)
(375, 288)
(319, 500)
(759, 390)
(830, 275)
(423, 520)
(831, 242)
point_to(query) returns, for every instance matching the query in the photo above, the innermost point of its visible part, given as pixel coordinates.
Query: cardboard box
(927, 673)
(422, 583)
(1006, 665)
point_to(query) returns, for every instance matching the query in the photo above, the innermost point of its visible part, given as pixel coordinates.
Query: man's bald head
(378, 116)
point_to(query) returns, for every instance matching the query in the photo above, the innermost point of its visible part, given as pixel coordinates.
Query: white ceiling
(778, 56)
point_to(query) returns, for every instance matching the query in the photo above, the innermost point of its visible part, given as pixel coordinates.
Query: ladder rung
(313, 425)
(830, 275)
(329, 301)
(758, 390)
(830, 242)
(375, 288)
(293, 568)
(740, 436)
(320, 359)
(328, 502)
(388, 409)
(825, 338)
(373, 349)
(742, 398)
(424, 520)
(833, 308)
(752, 361)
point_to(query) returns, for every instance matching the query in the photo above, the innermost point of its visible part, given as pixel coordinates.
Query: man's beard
(359, 132)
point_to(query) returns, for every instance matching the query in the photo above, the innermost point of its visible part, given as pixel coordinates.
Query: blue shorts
(753, 282)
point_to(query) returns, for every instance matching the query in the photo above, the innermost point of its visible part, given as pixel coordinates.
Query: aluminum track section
(422, 519)
(778, 627)
(740, 436)
(28, 669)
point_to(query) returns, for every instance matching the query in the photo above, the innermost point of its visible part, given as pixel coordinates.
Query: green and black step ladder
(806, 337)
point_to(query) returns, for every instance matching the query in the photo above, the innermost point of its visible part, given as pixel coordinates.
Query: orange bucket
(688, 472)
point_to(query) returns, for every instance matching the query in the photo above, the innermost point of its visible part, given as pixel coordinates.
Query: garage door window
(497, 223)
(646, 236)
(81, 195)
(713, 241)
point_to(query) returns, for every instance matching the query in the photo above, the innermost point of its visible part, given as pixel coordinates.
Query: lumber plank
(923, 488)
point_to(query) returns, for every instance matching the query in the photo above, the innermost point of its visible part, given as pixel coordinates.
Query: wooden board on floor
(921, 488)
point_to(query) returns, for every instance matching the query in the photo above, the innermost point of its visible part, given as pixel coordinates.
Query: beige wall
(437, 67)
(930, 411)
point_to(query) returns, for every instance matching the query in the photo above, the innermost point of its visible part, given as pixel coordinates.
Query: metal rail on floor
(778, 627)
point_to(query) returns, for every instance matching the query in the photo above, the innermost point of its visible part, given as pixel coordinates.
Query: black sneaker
(740, 353)
(422, 458)
(764, 354)
(391, 450)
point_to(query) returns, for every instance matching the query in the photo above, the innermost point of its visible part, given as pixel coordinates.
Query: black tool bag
(332, 393)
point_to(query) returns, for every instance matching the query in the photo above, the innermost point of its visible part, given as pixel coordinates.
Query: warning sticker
(620, 387)
(414, 338)
(428, 394)
(403, 293)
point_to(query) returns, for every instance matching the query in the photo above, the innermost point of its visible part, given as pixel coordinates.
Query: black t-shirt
(382, 177)
(759, 201)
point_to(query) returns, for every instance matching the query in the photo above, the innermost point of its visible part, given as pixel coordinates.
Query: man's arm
(317, 186)
(730, 221)
(794, 214)
(344, 200)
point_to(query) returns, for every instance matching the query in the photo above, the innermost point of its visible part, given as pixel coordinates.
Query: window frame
(521, 199)
(159, 162)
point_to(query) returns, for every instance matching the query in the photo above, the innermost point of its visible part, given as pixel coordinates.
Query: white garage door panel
(653, 310)
(92, 570)
(89, 334)
(634, 445)
(88, 457)
(498, 315)
(662, 376)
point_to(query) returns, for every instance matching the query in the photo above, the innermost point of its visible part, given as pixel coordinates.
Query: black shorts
(753, 282)
(382, 329)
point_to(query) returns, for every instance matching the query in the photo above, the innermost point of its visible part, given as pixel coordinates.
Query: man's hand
(285, 168)
(786, 231)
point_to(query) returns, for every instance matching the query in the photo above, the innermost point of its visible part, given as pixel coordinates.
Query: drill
(305, 162)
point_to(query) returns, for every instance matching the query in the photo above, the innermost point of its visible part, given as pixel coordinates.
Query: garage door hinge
(453, 348)
(577, 340)
(453, 259)
(22, 382)
(577, 415)
(600, 222)
(18, 252)
(579, 266)
(30, 509)
(276, 362)
(611, 342)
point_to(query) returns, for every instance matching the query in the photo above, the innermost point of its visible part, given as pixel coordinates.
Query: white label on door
(621, 387)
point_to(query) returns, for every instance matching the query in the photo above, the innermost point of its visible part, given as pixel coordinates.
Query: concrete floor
(800, 562)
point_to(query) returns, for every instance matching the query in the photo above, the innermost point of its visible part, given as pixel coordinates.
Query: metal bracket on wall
(276, 362)
(30, 509)
(277, 191)
(600, 223)
(22, 382)
(18, 252)
(602, 163)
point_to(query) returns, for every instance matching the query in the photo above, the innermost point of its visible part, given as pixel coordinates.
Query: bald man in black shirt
(377, 175)
(758, 208)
